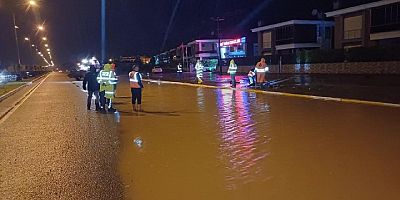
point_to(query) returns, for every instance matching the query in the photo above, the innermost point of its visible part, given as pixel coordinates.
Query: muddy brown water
(201, 143)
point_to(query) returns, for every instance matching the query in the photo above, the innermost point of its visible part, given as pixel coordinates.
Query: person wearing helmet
(232, 71)
(108, 81)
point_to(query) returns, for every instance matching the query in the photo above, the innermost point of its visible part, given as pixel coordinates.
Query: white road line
(21, 101)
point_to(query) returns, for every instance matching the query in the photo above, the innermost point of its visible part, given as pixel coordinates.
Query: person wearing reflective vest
(199, 71)
(261, 68)
(179, 70)
(135, 82)
(108, 81)
(232, 71)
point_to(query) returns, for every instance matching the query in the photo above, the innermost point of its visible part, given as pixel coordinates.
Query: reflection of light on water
(200, 99)
(240, 141)
(117, 117)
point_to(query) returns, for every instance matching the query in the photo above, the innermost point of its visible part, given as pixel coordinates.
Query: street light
(33, 45)
(40, 28)
(46, 45)
(32, 3)
(26, 39)
(44, 38)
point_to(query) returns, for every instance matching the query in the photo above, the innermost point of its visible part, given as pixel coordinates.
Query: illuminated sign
(232, 42)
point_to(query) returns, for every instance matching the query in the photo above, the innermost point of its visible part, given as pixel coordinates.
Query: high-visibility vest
(179, 69)
(262, 70)
(199, 69)
(133, 80)
(107, 77)
(232, 69)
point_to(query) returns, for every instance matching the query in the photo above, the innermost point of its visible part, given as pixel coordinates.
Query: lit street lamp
(32, 3)
(44, 38)
(26, 39)
(40, 28)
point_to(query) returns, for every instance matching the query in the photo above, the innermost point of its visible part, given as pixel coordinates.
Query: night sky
(139, 26)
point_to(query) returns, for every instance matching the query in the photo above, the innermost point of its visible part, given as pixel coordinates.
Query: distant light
(85, 61)
(110, 60)
(46, 45)
(27, 39)
(32, 3)
(16, 27)
(40, 27)
(33, 45)
(44, 38)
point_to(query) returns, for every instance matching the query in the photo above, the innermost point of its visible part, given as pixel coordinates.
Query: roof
(292, 22)
(203, 40)
(360, 7)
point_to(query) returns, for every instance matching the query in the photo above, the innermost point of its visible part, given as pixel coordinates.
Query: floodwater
(201, 143)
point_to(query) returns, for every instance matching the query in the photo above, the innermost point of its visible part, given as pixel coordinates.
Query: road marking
(353, 101)
(21, 101)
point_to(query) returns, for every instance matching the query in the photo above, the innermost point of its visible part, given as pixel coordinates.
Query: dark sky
(139, 26)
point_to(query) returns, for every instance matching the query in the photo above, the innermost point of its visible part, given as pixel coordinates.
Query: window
(385, 18)
(267, 41)
(284, 35)
(207, 47)
(352, 27)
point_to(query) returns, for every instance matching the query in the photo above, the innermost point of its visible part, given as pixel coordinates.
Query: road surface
(52, 148)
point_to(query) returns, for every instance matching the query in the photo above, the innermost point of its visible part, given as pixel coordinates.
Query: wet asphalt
(51, 147)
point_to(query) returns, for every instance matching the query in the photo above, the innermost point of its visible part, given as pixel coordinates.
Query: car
(78, 75)
(157, 70)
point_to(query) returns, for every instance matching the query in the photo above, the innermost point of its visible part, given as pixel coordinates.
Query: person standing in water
(232, 71)
(135, 80)
(199, 71)
(261, 68)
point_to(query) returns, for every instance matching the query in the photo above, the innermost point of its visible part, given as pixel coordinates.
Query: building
(205, 50)
(288, 37)
(367, 25)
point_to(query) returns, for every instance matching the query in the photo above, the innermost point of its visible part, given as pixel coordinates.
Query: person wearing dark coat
(92, 86)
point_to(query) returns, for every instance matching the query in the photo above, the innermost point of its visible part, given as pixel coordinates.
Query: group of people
(102, 84)
(256, 76)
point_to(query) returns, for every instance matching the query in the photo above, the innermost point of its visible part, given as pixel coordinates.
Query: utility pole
(183, 55)
(218, 20)
(103, 31)
(16, 39)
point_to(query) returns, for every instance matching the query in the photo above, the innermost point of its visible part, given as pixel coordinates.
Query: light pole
(218, 20)
(16, 39)
(103, 31)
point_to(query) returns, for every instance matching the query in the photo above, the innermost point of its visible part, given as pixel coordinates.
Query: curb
(322, 98)
(12, 92)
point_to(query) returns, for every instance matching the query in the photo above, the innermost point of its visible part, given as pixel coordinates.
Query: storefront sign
(232, 42)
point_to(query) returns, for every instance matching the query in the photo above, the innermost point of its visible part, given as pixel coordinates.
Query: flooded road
(202, 143)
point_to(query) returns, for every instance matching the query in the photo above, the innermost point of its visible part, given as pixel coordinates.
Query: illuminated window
(352, 27)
